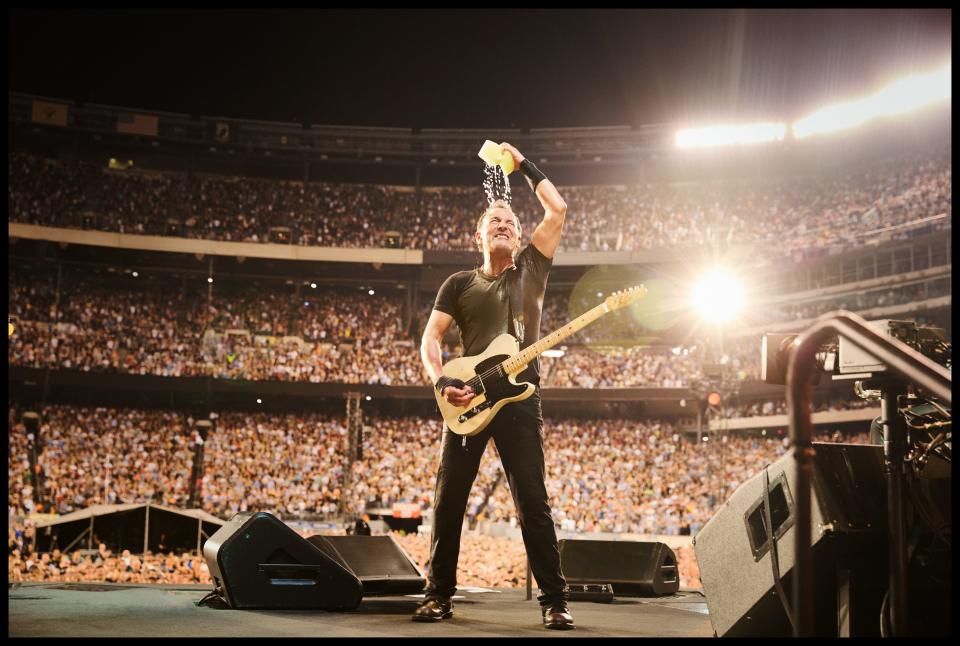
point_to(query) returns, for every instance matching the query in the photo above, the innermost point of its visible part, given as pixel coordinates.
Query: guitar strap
(517, 315)
(515, 294)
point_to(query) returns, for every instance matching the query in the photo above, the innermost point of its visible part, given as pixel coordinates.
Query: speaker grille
(373, 556)
(378, 561)
(634, 568)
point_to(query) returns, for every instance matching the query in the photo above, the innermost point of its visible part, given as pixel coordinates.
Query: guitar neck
(528, 354)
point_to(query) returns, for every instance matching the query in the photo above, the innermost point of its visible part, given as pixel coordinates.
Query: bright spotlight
(733, 134)
(907, 94)
(718, 297)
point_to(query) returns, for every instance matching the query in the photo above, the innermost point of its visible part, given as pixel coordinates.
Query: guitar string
(491, 371)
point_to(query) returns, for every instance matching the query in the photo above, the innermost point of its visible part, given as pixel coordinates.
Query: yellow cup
(494, 155)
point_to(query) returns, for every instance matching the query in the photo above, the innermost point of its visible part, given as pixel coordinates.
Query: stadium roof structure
(346, 144)
(139, 527)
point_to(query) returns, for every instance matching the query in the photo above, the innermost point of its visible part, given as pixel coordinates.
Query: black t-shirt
(480, 304)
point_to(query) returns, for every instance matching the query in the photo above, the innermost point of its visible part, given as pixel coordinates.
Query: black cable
(208, 597)
(921, 508)
(883, 613)
(214, 599)
(774, 559)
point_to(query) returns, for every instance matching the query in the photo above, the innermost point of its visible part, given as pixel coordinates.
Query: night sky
(471, 68)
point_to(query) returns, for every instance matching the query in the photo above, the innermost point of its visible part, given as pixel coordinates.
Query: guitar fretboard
(525, 356)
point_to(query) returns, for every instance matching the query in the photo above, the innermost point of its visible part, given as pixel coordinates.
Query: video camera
(843, 360)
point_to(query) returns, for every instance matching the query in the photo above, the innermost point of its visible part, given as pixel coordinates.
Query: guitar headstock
(625, 297)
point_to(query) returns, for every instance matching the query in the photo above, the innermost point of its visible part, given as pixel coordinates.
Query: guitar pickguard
(494, 386)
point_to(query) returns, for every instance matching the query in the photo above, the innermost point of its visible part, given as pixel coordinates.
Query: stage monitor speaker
(379, 563)
(633, 568)
(849, 538)
(259, 562)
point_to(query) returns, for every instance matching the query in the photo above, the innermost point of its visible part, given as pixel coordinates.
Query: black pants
(518, 432)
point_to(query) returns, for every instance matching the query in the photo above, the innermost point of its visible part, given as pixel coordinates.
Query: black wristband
(445, 381)
(531, 173)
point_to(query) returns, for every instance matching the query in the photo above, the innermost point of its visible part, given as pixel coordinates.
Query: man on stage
(505, 295)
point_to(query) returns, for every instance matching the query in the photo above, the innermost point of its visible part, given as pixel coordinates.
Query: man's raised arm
(546, 237)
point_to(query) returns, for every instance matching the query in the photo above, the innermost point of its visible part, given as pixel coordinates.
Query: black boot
(557, 617)
(433, 609)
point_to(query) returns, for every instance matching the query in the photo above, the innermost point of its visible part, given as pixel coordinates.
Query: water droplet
(495, 184)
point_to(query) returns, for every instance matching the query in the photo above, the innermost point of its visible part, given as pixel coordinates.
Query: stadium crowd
(102, 456)
(295, 465)
(346, 336)
(477, 569)
(855, 302)
(603, 476)
(25, 564)
(793, 217)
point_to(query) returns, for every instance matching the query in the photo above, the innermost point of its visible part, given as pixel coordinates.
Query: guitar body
(497, 389)
(493, 373)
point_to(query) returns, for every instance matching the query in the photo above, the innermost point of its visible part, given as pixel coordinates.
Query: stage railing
(901, 360)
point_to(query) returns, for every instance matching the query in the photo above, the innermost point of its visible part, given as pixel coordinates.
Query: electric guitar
(492, 374)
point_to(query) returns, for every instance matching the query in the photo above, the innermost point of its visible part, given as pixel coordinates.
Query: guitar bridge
(476, 410)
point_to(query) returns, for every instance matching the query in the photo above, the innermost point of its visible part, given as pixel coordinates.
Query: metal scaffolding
(354, 448)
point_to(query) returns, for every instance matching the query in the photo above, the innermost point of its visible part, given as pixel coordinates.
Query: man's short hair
(497, 204)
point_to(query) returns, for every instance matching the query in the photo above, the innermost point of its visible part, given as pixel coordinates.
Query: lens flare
(718, 297)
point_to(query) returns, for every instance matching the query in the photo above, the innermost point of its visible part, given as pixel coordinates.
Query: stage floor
(126, 610)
